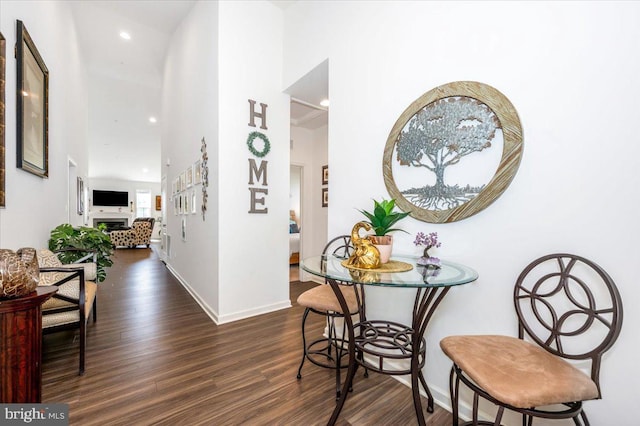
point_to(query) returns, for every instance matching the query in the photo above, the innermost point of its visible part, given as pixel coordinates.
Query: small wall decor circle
(458, 124)
(265, 149)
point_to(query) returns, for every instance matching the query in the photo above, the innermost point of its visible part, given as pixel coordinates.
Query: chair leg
(585, 420)
(475, 408)
(304, 343)
(95, 307)
(499, 416)
(83, 341)
(454, 387)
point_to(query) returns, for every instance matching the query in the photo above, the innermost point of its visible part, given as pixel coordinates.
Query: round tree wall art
(452, 152)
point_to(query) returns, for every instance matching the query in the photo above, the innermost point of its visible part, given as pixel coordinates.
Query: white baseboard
(255, 311)
(205, 307)
(223, 319)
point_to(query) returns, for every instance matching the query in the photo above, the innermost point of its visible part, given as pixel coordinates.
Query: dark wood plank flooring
(155, 358)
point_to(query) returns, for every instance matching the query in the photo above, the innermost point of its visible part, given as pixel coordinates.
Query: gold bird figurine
(365, 254)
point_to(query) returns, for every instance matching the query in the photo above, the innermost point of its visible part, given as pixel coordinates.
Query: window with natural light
(143, 203)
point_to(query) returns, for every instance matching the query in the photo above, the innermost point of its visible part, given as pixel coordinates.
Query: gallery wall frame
(3, 70)
(158, 202)
(440, 129)
(32, 106)
(197, 172)
(80, 195)
(183, 181)
(189, 176)
(325, 197)
(325, 175)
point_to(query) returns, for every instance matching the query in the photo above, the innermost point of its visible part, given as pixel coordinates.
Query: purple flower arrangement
(428, 241)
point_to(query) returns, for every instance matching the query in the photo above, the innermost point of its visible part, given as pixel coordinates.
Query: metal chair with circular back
(568, 309)
(328, 351)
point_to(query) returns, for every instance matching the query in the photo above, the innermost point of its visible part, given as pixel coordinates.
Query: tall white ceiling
(125, 83)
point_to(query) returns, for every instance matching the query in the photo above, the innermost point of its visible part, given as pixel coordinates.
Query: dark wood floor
(154, 357)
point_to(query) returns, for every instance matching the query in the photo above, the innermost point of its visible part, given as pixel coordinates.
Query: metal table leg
(426, 302)
(353, 365)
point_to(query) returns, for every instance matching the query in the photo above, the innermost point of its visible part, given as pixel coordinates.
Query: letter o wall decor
(452, 152)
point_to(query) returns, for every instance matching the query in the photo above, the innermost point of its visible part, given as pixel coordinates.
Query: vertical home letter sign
(259, 145)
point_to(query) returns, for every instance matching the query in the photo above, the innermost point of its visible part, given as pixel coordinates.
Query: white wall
(310, 152)
(190, 113)
(222, 55)
(123, 185)
(569, 70)
(253, 249)
(34, 206)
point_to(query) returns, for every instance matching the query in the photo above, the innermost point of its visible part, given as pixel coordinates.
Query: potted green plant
(382, 220)
(74, 243)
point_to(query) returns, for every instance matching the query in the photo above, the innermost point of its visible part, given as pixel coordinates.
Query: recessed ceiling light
(152, 120)
(324, 102)
(145, 170)
(125, 35)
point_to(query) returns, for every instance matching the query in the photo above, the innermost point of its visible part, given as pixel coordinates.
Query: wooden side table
(21, 347)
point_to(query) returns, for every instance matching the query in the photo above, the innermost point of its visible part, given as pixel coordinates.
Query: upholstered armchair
(138, 234)
(70, 307)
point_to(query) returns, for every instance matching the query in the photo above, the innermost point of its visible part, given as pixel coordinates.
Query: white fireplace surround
(112, 219)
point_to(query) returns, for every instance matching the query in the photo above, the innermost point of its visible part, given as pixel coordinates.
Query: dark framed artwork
(80, 195)
(32, 106)
(158, 202)
(325, 197)
(325, 175)
(3, 68)
(467, 128)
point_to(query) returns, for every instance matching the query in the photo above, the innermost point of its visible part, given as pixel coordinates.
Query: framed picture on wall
(325, 175)
(80, 195)
(465, 124)
(158, 202)
(3, 68)
(189, 176)
(197, 173)
(193, 202)
(325, 197)
(32, 108)
(182, 185)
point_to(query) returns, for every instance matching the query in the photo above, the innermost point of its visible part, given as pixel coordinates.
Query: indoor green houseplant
(85, 240)
(382, 220)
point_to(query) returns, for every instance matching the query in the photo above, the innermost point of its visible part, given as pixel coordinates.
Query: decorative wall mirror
(452, 152)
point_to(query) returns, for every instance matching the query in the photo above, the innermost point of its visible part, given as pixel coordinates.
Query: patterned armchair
(138, 234)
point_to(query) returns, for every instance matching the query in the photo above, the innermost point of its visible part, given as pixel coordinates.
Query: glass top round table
(449, 274)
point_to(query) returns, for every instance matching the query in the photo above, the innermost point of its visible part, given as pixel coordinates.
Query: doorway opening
(309, 154)
(295, 224)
